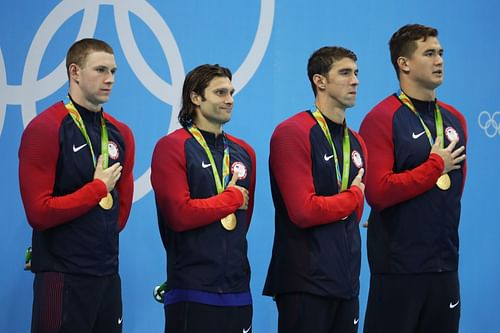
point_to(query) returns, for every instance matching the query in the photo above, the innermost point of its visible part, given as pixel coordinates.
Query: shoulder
(173, 139)
(452, 110)
(382, 115)
(122, 127)
(48, 120)
(298, 123)
(386, 108)
(241, 143)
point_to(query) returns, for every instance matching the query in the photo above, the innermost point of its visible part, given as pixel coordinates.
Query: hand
(110, 175)
(243, 190)
(358, 180)
(451, 158)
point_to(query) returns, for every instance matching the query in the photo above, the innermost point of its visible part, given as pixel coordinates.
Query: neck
(418, 92)
(330, 111)
(78, 98)
(209, 127)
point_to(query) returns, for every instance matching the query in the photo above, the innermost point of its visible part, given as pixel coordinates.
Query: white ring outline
(491, 122)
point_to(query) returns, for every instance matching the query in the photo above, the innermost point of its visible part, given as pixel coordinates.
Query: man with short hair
(316, 168)
(75, 175)
(203, 212)
(417, 174)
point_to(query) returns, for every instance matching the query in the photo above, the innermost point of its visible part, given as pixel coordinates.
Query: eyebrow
(225, 89)
(434, 50)
(348, 69)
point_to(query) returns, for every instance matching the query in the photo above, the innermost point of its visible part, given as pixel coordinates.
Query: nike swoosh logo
(327, 158)
(356, 320)
(76, 149)
(454, 305)
(204, 166)
(247, 330)
(120, 321)
(416, 136)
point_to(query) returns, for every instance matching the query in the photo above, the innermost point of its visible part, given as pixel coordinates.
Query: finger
(99, 161)
(361, 172)
(234, 179)
(451, 146)
(437, 142)
(458, 151)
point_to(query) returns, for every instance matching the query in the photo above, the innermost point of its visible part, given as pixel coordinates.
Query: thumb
(234, 179)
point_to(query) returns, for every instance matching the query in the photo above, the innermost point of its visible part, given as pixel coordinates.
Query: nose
(229, 99)
(354, 80)
(110, 78)
(439, 59)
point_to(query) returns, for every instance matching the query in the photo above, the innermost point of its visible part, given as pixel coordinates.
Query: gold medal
(444, 182)
(106, 202)
(229, 222)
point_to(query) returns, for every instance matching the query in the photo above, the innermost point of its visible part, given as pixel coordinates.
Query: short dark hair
(404, 41)
(78, 52)
(197, 80)
(321, 61)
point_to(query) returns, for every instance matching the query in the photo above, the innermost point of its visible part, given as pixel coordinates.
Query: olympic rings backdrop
(266, 44)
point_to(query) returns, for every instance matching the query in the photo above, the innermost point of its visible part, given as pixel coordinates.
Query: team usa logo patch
(356, 159)
(451, 134)
(240, 168)
(113, 150)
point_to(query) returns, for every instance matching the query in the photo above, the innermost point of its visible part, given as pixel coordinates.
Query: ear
(403, 64)
(74, 72)
(319, 81)
(195, 98)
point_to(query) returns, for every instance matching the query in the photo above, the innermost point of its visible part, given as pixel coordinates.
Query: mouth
(438, 72)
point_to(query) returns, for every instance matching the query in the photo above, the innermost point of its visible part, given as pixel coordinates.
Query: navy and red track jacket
(71, 232)
(201, 254)
(315, 249)
(413, 225)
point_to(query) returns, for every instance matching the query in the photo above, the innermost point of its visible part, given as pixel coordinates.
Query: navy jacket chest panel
(323, 164)
(411, 144)
(200, 176)
(75, 166)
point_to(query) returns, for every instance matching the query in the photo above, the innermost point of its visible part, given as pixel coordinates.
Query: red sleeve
(38, 156)
(462, 121)
(251, 189)
(125, 185)
(290, 162)
(170, 184)
(359, 210)
(384, 187)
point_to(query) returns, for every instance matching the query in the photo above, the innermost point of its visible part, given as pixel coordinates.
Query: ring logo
(489, 123)
(35, 87)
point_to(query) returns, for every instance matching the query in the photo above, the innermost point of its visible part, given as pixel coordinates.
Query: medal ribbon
(77, 118)
(438, 118)
(342, 179)
(195, 132)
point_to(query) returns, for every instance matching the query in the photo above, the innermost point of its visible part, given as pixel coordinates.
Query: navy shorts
(306, 313)
(76, 303)
(413, 303)
(190, 317)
